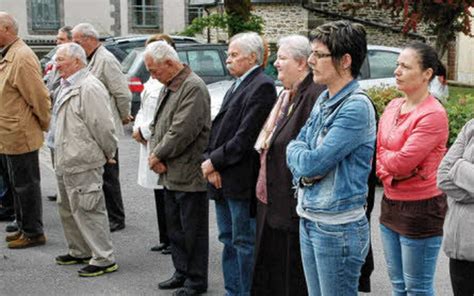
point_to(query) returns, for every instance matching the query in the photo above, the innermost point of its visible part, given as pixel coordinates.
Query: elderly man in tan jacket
(104, 66)
(24, 115)
(84, 140)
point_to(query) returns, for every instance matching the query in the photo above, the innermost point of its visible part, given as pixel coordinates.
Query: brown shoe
(13, 236)
(27, 242)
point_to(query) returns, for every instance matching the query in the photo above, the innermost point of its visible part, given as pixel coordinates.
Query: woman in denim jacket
(456, 179)
(331, 160)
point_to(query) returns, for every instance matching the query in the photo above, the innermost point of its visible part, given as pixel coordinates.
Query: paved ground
(33, 271)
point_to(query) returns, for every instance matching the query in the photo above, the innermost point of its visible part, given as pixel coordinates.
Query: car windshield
(130, 59)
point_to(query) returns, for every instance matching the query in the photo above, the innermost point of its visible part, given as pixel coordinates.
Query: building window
(45, 15)
(145, 14)
(195, 12)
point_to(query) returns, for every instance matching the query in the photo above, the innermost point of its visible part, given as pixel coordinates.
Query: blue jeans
(411, 263)
(333, 256)
(237, 233)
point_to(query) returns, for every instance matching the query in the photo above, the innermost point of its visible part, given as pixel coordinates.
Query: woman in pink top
(411, 142)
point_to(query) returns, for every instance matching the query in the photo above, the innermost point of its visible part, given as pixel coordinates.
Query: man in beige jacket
(24, 115)
(104, 66)
(84, 140)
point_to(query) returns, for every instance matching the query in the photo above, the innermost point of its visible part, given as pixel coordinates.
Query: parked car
(379, 66)
(120, 47)
(206, 60)
(377, 70)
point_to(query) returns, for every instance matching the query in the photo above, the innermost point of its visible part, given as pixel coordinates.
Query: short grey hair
(160, 50)
(298, 46)
(7, 19)
(250, 42)
(87, 30)
(74, 50)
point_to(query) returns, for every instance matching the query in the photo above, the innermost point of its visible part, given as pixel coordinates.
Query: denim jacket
(336, 145)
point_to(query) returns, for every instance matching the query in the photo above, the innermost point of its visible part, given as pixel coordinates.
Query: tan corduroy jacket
(25, 107)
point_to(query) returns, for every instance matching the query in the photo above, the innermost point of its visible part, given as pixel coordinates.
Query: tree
(238, 13)
(445, 18)
(237, 18)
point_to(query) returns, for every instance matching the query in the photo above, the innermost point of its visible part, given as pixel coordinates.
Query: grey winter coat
(107, 69)
(456, 179)
(85, 132)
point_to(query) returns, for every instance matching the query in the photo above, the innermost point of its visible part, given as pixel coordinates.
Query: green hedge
(460, 106)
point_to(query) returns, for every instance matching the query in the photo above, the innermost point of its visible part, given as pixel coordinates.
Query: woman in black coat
(278, 269)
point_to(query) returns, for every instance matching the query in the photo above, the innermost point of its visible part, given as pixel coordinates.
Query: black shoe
(166, 251)
(114, 226)
(69, 260)
(52, 197)
(188, 291)
(93, 270)
(159, 247)
(11, 227)
(173, 283)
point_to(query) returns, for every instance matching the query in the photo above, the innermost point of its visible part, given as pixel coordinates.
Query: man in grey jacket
(456, 179)
(84, 140)
(104, 66)
(180, 131)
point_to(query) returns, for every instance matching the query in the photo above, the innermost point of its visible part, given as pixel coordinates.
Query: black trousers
(462, 277)
(161, 216)
(24, 182)
(113, 193)
(278, 269)
(187, 220)
(6, 203)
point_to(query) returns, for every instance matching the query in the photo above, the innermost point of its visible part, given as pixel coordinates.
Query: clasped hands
(211, 174)
(156, 165)
(403, 178)
(137, 136)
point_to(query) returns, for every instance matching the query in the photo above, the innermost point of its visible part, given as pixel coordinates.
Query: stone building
(40, 19)
(301, 16)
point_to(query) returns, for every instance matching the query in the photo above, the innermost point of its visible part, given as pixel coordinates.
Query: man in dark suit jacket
(232, 164)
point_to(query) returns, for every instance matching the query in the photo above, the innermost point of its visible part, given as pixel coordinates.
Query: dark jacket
(180, 131)
(234, 132)
(281, 206)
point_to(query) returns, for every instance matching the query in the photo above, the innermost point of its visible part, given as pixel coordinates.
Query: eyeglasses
(320, 55)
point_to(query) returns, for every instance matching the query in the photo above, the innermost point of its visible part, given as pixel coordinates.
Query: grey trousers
(81, 206)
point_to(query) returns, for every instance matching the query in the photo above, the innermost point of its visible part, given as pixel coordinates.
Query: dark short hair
(343, 37)
(160, 36)
(68, 31)
(428, 58)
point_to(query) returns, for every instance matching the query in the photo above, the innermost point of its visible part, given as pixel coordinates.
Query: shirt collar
(340, 95)
(72, 80)
(241, 78)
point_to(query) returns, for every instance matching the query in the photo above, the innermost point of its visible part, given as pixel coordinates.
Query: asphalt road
(33, 271)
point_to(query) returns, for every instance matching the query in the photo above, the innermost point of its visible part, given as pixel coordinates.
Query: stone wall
(382, 27)
(282, 19)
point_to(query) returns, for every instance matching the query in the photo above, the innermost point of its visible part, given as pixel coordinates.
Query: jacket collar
(297, 100)
(8, 51)
(236, 93)
(328, 103)
(176, 81)
(94, 55)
